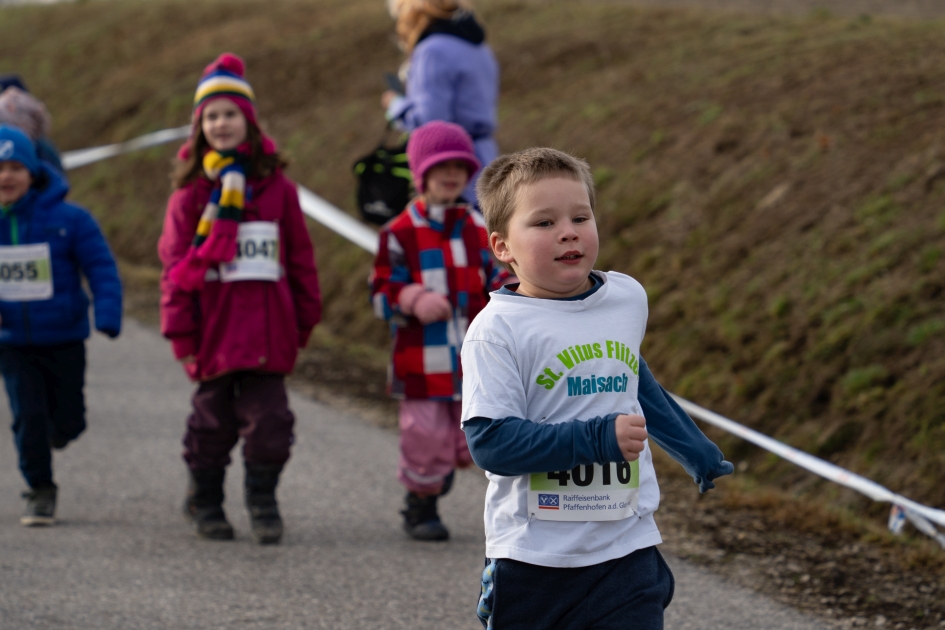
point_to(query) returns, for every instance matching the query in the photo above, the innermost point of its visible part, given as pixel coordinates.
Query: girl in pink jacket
(239, 296)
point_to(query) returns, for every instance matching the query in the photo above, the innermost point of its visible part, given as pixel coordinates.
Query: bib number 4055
(583, 476)
(18, 271)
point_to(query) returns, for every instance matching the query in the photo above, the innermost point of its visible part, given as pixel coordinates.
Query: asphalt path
(122, 556)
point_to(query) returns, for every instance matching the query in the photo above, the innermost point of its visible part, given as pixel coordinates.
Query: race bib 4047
(25, 273)
(595, 492)
(257, 253)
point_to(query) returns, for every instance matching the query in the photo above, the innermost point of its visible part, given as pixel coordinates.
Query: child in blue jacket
(46, 245)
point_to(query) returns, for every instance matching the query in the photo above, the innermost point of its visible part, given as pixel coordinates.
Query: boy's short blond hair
(498, 186)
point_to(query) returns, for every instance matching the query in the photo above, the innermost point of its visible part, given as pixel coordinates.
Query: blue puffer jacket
(76, 245)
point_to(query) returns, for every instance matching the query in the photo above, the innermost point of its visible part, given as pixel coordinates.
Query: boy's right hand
(631, 433)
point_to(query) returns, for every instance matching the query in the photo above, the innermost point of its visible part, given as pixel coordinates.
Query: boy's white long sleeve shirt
(554, 361)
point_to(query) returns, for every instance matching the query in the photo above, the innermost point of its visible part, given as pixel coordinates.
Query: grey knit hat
(25, 111)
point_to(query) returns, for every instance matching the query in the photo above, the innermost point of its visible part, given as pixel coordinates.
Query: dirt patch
(807, 555)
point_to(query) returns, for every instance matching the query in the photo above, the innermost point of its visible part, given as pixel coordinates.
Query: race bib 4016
(25, 273)
(595, 492)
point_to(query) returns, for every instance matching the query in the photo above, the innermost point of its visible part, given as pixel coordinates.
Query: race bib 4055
(25, 273)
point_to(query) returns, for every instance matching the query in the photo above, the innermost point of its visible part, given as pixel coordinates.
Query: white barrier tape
(82, 157)
(924, 526)
(364, 237)
(818, 466)
(337, 220)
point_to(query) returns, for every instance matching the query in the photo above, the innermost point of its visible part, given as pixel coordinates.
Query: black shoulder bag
(384, 181)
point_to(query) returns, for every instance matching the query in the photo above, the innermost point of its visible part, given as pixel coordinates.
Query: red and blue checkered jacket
(446, 249)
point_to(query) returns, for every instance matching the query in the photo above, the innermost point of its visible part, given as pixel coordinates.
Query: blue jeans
(44, 384)
(628, 593)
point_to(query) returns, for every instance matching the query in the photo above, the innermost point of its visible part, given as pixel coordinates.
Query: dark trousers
(628, 593)
(44, 384)
(249, 405)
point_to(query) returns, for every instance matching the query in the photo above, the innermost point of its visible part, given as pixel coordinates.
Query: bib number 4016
(583, 476)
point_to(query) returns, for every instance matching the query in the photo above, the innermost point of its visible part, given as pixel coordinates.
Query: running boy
(431, 277)
(554, 399)
(46, 246)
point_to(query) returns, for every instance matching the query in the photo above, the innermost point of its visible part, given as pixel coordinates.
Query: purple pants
(432, 444)
(249, 405)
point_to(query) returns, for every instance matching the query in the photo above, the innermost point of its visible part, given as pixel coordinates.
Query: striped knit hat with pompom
(224, 79)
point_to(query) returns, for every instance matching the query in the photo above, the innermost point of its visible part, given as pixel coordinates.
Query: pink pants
(432, 444)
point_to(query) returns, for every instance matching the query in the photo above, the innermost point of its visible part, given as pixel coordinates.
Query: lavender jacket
(453, 76)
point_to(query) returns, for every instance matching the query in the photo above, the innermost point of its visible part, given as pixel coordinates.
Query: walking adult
(450, 73)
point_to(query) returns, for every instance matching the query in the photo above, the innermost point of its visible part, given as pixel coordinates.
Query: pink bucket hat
(437, 142)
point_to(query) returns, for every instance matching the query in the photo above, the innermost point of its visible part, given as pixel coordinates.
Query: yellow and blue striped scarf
(226, 200)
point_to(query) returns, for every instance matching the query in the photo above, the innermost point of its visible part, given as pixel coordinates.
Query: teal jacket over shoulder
(77, 248)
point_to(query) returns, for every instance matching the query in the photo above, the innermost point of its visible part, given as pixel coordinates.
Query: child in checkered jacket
(432, 276)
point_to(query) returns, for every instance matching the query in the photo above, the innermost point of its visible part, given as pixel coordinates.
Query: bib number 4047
(257, 253)
(267, 248)
(583, 476)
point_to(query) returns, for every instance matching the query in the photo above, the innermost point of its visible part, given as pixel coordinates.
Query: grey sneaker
(40, 506)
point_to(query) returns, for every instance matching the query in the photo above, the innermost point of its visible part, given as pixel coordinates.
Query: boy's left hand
(631, 435)
(705, 482)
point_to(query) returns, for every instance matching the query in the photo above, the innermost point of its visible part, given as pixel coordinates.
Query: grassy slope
(776, 184)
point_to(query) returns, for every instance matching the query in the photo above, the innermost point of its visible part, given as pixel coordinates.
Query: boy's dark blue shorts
(628, 593)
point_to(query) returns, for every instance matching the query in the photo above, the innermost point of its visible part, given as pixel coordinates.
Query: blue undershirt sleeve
(678, 435)
(514, 446)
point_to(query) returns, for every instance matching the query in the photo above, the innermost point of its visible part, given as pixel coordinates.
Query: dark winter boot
(448, 483)
(204, 504)
(421, 521)
(261, 482)
(40, 506)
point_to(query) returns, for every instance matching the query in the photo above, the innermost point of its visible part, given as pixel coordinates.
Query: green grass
(774, 183)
